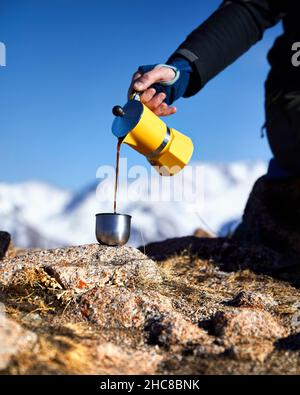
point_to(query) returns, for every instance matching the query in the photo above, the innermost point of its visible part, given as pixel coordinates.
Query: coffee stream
(117, 173)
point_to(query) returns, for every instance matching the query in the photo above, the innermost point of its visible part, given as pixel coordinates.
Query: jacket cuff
(195, 81)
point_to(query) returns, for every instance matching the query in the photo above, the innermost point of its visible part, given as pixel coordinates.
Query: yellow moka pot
(165, 148)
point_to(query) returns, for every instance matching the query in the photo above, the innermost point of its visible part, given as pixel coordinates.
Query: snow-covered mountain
(25, 209)
(40, 215)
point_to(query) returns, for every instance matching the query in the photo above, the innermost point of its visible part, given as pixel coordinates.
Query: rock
(113, 286)
(112, 307)
(6, 246)
(81, 268)
(253, 299)
(202, 233)
(295, 318)
(104, 310)
(228, 254)
(272, 216)
(13, 340)
(116, 307)
(117, 360)
(252, 351)
(169, 329)
(246, 323)
(247, 332)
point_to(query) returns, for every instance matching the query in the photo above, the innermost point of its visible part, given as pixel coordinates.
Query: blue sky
(70, 61)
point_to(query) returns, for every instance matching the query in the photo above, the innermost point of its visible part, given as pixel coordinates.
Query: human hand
(142, 83)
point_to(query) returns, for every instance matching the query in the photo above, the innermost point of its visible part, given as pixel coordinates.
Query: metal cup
(113, 229)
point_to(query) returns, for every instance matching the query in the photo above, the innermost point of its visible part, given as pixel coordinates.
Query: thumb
(159, 74)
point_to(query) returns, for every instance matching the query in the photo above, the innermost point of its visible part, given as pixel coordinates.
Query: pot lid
(126, 118)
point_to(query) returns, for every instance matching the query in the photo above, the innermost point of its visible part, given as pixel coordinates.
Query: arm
(209, 49)
(225, 36)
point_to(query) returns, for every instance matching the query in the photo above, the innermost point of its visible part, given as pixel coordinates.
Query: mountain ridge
(58, 217)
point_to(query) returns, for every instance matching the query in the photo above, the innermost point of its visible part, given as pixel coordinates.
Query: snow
(41, 215)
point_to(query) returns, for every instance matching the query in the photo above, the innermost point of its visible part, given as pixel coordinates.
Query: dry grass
(197, 289)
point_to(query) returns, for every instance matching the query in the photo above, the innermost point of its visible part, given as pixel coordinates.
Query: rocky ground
(194, 305)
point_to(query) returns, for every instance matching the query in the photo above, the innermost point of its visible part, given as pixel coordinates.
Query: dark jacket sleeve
(224, 36)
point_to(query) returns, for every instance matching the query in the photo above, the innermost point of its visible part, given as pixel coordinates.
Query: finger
(135, 76)
(168, 111)
(148, 95)
(152, 76)
(156, 101)
(161, 109)
(164, 110)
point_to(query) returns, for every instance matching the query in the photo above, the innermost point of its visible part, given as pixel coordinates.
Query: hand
(155, 101)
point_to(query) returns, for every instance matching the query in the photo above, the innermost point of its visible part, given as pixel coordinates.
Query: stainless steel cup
(113, 229)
